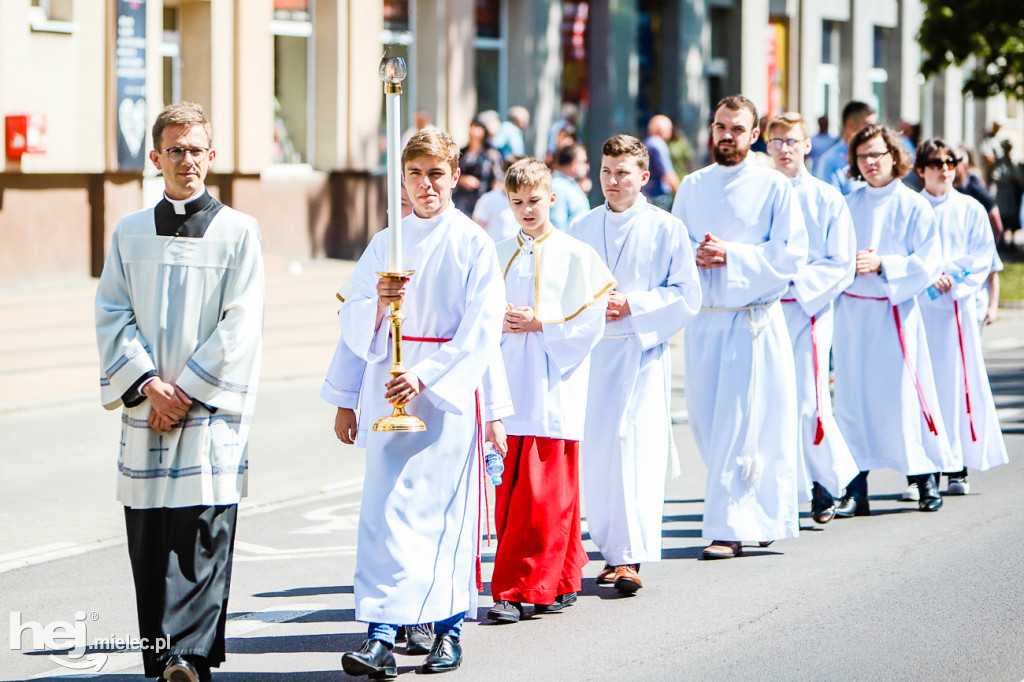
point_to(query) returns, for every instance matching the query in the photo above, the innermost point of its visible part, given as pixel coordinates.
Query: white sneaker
(957, 486)
(911, 494)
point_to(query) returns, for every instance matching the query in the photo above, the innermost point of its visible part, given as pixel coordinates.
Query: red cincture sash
(480, 455)
(963, 363)
(906, 359)
(819, 432)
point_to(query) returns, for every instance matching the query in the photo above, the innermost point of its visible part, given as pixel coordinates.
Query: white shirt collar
(934, 200)
(621, 217)
(179, 204)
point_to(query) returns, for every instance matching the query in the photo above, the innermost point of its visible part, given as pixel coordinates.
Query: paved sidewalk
(48, 341)
(58, 445)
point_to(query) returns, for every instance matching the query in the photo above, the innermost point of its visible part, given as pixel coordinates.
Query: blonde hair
(526, 174)
(432, 142)
(787, 119)
(186, 115)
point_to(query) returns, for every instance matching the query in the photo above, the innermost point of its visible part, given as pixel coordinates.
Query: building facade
(292, 90)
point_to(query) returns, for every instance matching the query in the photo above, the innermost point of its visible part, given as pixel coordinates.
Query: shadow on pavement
(309, 591)
(680, 533)
(683, 518)
(294, 644)
(304, 676)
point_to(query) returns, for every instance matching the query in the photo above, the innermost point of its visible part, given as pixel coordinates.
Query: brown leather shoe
(605, 576)
(626, 579)
(722, 549)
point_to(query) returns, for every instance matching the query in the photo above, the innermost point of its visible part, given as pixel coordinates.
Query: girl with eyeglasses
(885, 398)
(954, 341)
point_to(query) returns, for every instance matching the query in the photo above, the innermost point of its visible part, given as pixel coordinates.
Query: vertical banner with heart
(130, 70)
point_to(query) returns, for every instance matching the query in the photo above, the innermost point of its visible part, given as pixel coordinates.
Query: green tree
(992, 31)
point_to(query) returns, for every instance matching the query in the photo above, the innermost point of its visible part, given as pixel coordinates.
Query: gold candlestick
(398, 421)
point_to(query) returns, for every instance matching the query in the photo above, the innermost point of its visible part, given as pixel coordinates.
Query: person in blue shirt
(570, 166)
(834, 165)
(820, 143)
(664, 181)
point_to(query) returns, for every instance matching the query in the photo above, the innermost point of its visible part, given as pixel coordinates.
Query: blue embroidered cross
(122, 446)
(160, 450)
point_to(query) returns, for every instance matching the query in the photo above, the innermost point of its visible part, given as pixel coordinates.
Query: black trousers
(181, 564)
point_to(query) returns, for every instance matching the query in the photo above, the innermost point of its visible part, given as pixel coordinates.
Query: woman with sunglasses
(885, 399)
(954, 342)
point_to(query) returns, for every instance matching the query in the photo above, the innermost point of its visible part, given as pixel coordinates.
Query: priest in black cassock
(179, 320)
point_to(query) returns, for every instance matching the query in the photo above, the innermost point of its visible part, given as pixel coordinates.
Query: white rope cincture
(750, 461)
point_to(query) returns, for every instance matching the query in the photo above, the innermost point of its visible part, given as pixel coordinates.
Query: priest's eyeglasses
(873, 156)
(949, 163)
(778, 143)
(177, 154)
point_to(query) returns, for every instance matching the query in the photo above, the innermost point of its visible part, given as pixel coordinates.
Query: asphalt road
(899, 595)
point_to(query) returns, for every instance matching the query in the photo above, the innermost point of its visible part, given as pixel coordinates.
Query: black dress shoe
(852, 505)
(930, 500)
(855, 501)
(823, 506)
(180, 670)
(374, 658)
(444, 656)
(420, 638)
(562, 601)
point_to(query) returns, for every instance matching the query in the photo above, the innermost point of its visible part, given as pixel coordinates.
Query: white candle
(394, 155)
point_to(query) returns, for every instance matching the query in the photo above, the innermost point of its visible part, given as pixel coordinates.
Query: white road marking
(331, 520)
(52, 552)
(63, 550)
(1010, 414)
(247, 551)
(1009, 343)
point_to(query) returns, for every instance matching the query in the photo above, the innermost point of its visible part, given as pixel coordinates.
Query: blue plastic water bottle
(494, 463)
(958, 277)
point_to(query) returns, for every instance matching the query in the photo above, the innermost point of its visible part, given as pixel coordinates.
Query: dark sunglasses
(948, 163)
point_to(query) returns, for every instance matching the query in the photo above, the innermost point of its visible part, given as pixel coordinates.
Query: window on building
(881, 40)
(717, 68)
(575, 22)
(292, 29)
(490, 54)
(52, 16)
(830, 42)
(170, 56)
(720, 32)
(877, 75)
(649, 57)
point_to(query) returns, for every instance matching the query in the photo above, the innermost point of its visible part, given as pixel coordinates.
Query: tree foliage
(991, 31)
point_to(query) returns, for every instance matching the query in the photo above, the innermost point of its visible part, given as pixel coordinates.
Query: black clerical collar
(199, 212)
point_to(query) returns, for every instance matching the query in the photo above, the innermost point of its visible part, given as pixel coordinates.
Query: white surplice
(190, 309)
(954, 340)
(550, 369)
(808, 305)
(740, 378)
(419, 520)
(628, 435)
(878, 402)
